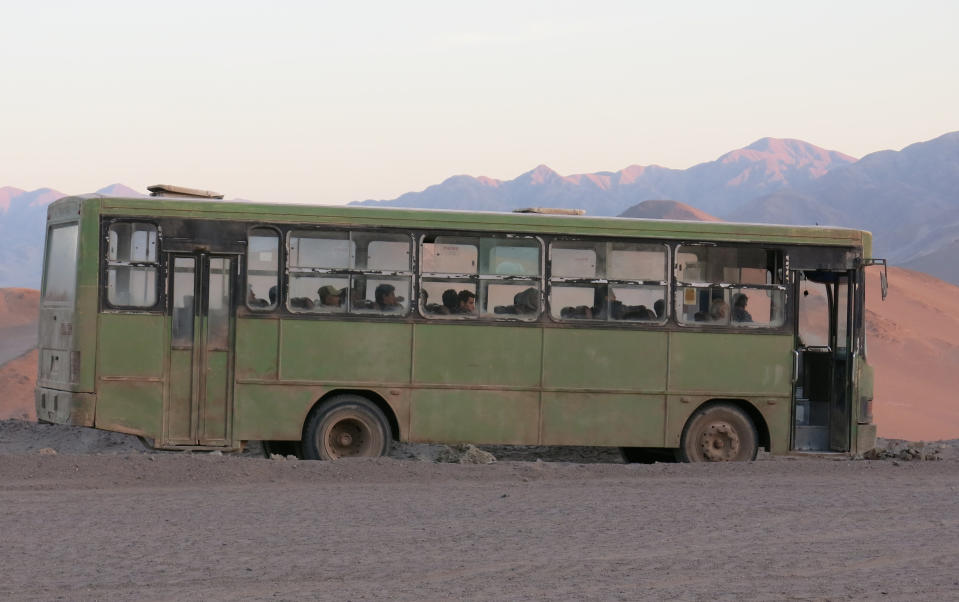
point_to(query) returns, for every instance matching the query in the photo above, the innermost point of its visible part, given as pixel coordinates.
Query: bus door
(199, 399)
(823, 363)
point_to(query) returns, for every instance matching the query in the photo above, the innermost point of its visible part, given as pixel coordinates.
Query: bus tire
(346, 426)
(718, 433)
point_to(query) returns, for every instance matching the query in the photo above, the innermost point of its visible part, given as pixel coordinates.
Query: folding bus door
(198, 406)
(822, 407)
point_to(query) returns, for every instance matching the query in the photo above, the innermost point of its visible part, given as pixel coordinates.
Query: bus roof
(532, 223)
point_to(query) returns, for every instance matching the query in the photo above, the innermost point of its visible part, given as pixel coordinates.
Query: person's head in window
(739, 308)
(467, 302)
(718, 310)
(329, 295)
(450, 300)
(659, 308)
(385, 295)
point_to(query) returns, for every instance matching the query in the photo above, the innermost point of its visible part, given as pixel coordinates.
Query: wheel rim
(348, 437)
(719, 442)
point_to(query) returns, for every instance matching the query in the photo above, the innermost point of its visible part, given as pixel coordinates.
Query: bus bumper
(64, 407)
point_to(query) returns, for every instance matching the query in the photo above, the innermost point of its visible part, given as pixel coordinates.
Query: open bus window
(262, 268)
(470, 277)
(132, 264)
(729, 286)
(609, 281)
(60, 273)
(355, 272)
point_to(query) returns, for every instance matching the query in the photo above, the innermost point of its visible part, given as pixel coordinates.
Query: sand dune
(913, 342)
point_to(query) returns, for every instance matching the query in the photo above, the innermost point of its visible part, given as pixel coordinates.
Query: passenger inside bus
(386, 299)
(718, 311)
(467, 302)
(739, 308)
(329, 295)
(524, 302)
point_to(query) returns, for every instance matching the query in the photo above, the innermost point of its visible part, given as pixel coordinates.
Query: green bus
(332, 331)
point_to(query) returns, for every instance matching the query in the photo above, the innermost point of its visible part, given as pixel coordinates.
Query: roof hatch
(182, 192)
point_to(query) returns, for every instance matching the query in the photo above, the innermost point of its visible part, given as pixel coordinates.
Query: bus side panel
(130, 373)
(134, 407)
(475, 416)
(738, 364)
(603, 419)
(459, 354)
(257, 342)
(594, 362)
(631, 360)
(272, 412)
(345, 352)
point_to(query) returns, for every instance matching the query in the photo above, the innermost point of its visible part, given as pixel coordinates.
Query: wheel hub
(719, 442)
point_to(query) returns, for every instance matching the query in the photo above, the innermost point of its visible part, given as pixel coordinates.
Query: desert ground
(102, 518)
(91, 515)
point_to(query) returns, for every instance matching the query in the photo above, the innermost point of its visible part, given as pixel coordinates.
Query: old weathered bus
(201, 324)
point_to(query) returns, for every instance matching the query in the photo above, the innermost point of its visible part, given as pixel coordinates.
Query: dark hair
(382, 291)
(450, 300)
(272, 294)
(465, 296)
(659, 307)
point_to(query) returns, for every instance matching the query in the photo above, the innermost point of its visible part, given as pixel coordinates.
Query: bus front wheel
(347, 426)
(719, 433)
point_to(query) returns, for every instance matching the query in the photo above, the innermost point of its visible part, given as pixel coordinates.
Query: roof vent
(182, 192)
(551, 211)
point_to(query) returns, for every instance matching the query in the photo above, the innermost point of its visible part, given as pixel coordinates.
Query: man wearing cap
(329, 295)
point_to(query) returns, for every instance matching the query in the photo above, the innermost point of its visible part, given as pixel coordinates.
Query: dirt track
(120, 523)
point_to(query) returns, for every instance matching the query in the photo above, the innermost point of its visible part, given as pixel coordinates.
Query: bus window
(60, 275)
(262, 268)
(729, 286)
(382, 273)
(132, 265)
(494, 277)
(621, 281)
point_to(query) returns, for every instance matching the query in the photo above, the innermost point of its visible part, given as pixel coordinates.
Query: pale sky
(331, 102)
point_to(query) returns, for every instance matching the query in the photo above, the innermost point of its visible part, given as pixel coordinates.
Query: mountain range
(909, 199)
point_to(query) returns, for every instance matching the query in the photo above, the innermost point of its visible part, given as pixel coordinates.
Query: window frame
(591, 283)
(779, 284)
(349, 273)
(105, 265)
(482, 281)
(280, 263)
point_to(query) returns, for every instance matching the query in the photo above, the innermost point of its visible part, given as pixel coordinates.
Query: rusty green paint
(215, 409)
(256, 349)
(325, 350)
(733, 363)
(179, 412)
(132, 345)
(502, 356)
(130, 407)
(270, 412)
(603, 419)
(492, 417)
(605, 359)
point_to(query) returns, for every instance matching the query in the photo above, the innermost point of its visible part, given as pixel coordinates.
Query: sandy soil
(104, 519)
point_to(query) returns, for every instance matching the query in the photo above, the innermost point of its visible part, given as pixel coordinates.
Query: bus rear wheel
(719, 433)
(347, 426)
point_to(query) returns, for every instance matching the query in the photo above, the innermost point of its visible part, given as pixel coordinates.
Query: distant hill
(716, 187)
(667, 210)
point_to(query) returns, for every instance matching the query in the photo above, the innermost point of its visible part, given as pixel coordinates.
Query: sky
(331, 102)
